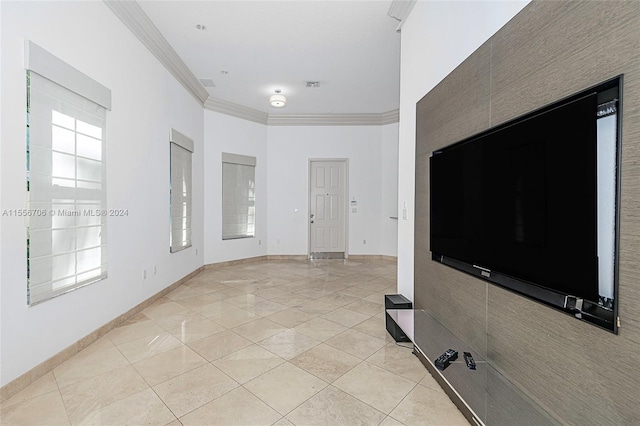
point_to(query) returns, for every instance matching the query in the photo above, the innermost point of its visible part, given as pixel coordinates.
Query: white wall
(389, 193)
(436, 37)
(1, 199)
(147, 102)
(224, 133)
(291, 147)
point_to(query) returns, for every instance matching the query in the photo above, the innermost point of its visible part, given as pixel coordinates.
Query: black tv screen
(518, 205)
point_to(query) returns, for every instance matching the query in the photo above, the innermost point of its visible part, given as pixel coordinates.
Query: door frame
(346, 203)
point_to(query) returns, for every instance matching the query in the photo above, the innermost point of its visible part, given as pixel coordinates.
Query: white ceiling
(351, 47)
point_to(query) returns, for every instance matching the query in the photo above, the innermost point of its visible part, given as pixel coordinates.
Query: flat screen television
(532, 204)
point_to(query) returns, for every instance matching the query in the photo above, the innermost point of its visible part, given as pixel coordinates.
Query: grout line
(184, 344)
(64, 404)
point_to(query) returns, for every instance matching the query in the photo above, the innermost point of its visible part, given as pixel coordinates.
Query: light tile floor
(266, 343)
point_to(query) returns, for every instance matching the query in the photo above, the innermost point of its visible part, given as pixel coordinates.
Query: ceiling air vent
(207, 82)
(313, 84)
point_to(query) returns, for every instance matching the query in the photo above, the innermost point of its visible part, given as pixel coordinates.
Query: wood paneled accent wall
(577, 372)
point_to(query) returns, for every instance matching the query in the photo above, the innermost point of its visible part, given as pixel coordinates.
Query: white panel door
(327, 214)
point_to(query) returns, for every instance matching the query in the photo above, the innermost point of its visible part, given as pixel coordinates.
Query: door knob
(312, 215)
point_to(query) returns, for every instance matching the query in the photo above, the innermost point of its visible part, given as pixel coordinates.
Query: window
(181, 148)
(66, 177)
(238, 196)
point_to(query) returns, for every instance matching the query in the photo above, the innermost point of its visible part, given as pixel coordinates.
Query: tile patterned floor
(266, 343)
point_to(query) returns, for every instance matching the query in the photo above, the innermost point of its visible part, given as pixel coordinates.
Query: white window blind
(180, 194)
(66, 189)
(238, 196)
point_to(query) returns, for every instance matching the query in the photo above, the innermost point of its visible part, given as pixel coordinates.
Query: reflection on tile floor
(274, 343)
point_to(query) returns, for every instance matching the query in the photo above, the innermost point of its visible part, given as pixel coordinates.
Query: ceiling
(251, 48)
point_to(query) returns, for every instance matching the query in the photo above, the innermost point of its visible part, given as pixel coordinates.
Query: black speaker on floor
(396, 301)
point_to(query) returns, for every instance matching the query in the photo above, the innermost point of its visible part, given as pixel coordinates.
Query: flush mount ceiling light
(278, 100)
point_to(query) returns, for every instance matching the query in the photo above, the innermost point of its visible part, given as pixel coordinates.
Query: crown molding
(399, 10)
(236, 110)
(137, 21)
(134, 18)
(334, 119)
(390, 117)
(250, 114)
